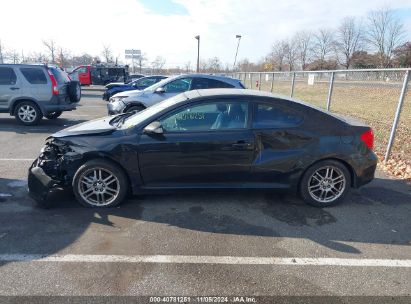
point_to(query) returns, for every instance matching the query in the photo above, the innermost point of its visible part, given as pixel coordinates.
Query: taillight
(368, 139)
(55, 89)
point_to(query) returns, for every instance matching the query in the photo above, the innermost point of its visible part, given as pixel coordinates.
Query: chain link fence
(378, 97)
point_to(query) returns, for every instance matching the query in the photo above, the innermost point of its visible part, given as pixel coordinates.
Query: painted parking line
(184, 259)
(17, 159)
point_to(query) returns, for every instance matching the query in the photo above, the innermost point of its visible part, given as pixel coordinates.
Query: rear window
(268, 116)
(206, 83)
(34, 75)
(7, 76)
(60, 75)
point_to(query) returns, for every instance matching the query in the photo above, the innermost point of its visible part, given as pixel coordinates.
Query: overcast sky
(167, 27)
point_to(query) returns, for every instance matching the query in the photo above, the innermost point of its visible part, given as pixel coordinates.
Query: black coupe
(208, 139)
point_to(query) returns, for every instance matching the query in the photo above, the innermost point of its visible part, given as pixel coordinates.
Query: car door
(8, 86)
(280, 142)
(84, 76)
(38, 84)
(204, 144)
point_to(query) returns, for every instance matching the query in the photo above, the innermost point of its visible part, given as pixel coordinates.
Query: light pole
(236, 52)
(198, 52)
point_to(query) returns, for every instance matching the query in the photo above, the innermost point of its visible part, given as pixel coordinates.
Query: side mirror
(154, 128)
(160, 90)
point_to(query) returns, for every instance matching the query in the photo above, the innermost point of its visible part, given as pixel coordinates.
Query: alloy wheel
(98, 187)
(27, 113)
(326, 184)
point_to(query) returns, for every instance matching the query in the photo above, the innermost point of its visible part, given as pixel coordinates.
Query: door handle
(242, 144)
(14, 88)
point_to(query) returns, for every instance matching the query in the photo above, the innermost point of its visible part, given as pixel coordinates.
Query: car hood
(97, 126)
(114, 84)
(131, 93)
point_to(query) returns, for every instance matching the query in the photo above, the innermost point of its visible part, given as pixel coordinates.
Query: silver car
(30, 92)
(139, 100)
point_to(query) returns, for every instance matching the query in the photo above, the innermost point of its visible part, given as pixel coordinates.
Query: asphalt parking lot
(205, 243)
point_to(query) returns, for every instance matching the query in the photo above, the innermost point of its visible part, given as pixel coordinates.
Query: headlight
(117, 98)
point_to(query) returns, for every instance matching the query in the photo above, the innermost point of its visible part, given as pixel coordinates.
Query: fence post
(251, 81)
(397, 115)
(292, 85)
(259, 81)
(330, 91)
(272, 83)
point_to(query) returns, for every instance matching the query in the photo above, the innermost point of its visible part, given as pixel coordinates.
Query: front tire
(325, 184)
(100, 184)
(28, 113)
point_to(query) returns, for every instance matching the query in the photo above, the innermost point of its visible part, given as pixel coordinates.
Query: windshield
(139, 117)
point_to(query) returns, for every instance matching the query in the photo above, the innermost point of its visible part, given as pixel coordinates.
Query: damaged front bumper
(53, 169)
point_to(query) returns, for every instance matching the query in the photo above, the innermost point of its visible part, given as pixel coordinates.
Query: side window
(34, 75)
(178, 86)
(271, 116)
(219, 84)
(7, 76)
(206, 83)
(146, 82)
(209, 116)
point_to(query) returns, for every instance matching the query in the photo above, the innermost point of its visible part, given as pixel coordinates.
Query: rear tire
(325, 183)
(100, 184)
(28, 113)
(54, 115)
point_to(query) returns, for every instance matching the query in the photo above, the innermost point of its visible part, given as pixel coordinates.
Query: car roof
(233, 92)
(223, 92)
(229, 80)
(24, 65)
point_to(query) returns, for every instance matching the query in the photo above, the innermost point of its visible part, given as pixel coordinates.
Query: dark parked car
(139, 84)
(209, 139)
(130, 78)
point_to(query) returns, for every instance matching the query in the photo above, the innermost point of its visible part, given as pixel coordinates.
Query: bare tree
(323, 43)
(158, 64)
(82, 60)
(384, 33)
(348, 40)
(278, 54)
(187, 67)
(304, 46)
(36, 58)
(290, 50)
(107, 54)
(13, 57)
(63, 58)
(214, 65)
(1, 52)
(51, 48)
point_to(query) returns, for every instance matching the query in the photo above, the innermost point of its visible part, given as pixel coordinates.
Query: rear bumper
(61, 107)
(365, 170)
